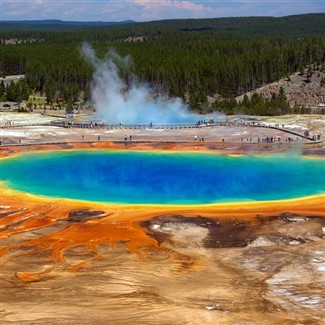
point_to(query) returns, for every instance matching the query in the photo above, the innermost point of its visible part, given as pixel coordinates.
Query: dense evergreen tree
(173, 57)
(17, 92)
(257, 105)
(2, 91)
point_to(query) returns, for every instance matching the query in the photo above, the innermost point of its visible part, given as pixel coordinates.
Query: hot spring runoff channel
(164, 178)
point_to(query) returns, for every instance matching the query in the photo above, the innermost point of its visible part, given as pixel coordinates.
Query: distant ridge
(55, 24)
(66, 22)
(256, 26)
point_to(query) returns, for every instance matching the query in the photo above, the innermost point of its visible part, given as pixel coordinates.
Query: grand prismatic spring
(104, 233)
(164, 178)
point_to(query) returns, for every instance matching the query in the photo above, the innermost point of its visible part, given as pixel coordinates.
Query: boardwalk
(155, 126)
(226, 132)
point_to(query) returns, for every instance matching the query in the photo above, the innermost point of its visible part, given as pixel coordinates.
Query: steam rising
(132, 103)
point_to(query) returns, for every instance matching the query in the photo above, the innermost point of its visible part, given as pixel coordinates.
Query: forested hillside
(291, 26)
(190, 58)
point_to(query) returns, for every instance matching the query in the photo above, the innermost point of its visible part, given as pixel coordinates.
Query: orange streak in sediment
(117, 224)
(109, 229)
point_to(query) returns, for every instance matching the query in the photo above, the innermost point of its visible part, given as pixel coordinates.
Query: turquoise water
(162, 178)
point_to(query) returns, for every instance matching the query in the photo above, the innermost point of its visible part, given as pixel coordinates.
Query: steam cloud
(117, 102)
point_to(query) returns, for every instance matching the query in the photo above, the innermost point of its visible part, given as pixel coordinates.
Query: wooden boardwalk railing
(100, 125)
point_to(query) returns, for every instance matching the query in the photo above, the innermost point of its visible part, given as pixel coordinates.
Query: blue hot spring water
(164, 178)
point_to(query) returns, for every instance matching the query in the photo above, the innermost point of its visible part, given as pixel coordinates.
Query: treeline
(220, 66)
(191, 65)
(14, 91)
(257, 105)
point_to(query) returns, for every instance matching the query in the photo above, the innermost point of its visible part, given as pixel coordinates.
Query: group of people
(316, 137)
(126, 138)
(97, 124)
(201, 139)
(9, 123)
(271, 139)
(202, 122)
